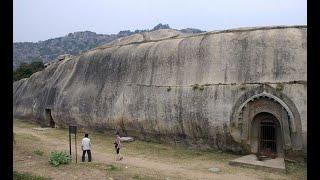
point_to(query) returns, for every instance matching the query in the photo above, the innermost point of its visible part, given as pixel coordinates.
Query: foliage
(27, 176)
(57, 158)
(25, 70)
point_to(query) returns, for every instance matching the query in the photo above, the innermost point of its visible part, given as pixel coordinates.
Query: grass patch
(24, 137)
(38, 152)
(137, 177)
(27, 176)
(297, 170)
(25, 124)
(111, 167)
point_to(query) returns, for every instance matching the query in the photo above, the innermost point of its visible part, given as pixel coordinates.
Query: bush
(57, 158)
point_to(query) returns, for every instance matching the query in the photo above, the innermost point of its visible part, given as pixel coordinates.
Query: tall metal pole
(75, 135)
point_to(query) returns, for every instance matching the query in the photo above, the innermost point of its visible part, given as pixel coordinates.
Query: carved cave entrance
(266, 122)
(49, 118)
(269, 134)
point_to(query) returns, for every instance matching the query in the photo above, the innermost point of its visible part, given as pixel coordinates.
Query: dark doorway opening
(268, 138)
(50, 119)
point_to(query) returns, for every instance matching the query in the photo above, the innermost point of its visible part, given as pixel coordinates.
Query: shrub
(57, 158)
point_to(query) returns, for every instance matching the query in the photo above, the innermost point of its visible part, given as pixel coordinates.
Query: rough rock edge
(241, 29)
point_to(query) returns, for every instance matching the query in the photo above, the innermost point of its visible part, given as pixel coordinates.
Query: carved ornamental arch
(265, 98)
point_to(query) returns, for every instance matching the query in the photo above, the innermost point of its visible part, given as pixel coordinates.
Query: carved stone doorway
(269, 140)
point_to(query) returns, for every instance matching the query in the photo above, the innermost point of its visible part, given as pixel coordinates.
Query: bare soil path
(141, 160)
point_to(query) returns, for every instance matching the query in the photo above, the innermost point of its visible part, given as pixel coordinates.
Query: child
(117, 145)
(86, 148)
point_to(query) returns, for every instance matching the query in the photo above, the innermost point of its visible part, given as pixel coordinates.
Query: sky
(38, 20)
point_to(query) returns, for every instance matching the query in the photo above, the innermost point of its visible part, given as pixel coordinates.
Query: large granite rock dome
(169, 85)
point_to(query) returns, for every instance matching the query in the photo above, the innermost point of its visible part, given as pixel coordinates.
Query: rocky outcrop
(166, 85)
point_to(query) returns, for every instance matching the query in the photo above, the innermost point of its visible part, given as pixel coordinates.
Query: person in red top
(117, 146)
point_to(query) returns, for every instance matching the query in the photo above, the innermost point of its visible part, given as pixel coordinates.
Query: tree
(25, 70)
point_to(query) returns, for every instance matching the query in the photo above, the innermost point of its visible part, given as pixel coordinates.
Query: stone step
(251, 161)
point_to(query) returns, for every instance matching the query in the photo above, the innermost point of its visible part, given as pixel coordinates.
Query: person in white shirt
(86, 148)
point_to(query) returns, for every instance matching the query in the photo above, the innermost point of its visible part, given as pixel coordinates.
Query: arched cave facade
(265, 119)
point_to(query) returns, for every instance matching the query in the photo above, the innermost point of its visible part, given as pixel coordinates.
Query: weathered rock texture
(169, 85)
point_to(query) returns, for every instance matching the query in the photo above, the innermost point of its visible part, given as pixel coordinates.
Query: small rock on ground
(214, 169)
(41, 129)
(126, 139)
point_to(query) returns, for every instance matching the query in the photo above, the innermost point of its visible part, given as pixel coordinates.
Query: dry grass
(187, 160)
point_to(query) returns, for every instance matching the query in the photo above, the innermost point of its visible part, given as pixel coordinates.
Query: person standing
(117, 145)
(86, 148)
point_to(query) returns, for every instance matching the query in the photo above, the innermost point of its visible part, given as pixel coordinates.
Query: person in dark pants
(117, 146)
(86, 148)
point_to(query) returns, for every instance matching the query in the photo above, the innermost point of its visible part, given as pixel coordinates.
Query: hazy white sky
(35, 20)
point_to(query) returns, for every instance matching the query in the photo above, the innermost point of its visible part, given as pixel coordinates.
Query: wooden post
(75, 135)
(73, 130)
(70, 142)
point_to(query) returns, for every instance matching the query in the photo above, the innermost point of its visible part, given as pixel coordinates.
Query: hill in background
(73, 43)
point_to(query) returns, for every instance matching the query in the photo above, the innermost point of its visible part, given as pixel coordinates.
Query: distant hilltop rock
(191, 30)
(161, 26)
(73, 44)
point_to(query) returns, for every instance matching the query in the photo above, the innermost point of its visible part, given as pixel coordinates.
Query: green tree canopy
(25, 70)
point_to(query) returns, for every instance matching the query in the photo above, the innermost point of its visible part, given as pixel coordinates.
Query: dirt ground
(142, 160)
